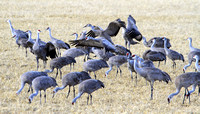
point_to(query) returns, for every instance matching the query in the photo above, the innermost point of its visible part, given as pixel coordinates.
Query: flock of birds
(99, 42)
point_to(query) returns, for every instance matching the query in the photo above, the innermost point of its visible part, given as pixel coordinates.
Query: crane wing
(88, 43)
(114, 27)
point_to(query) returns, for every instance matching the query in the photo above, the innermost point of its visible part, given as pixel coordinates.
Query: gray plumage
(73, 52)
(154, 56)
(117, 61)
(131, 32)
(72, 79)
(112, 30)
(101, 54)
(94, 65)
(157, 49)
(88, 86)
(171, 54)
(121, 50)
(142, 63)
(19, 33)
(185, 80)
(159, 42)
(151, 75)
(42, 83)
(43, 51)
(59, 44)
(191, 47)
(28, 77)
(191, 59)
(60, 62)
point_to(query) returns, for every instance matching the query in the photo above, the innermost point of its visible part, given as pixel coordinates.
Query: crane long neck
(36, 44)
(165, 45)
(78, 96)
(173, 94)
(22, 86)
(29, 36)
(144, 41)
(152, 45)
(108, 70)
(196, 63)
(137, 69)
(11, 28)
(59, 88)
(50, 34)
(76, 36)
(190, 43)
(34, 94)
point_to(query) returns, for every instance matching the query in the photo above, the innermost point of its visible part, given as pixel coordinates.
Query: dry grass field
(175, 19)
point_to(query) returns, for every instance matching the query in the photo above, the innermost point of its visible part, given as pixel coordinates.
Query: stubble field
(175, 19)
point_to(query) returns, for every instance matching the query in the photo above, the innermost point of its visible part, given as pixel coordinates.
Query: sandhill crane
(185, 80)
(28, 77)
(159, 42)
(112, 30)
(131, 32)
(117, 61)
(142, 63)
(191, 59)
(171, 54)
(72, 79)
(60, 62)
(197, 62)
(130, 64)
(101, 55)
(59, 44)
(94, 65)
(15, 32)
(157, 49)
(42, 83)
(88, 86)
(154, 56)
(191, 47)
(151, 74)
(22, 42)
(43, 51)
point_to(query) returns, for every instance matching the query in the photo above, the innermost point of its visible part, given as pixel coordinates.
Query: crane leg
(126, 43)
(37, 59)
(94, 75)
(120, 71)
(151, 84)
(188, 95)
(56, 73)
(68, 92)
(26, 51)
(60, 73)
(131, 75)
(184, 96)
(158, 63)
(90, 99)
(40, 96)
(117, 72)
(136, 79)
(45, 96)
(74, 91)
